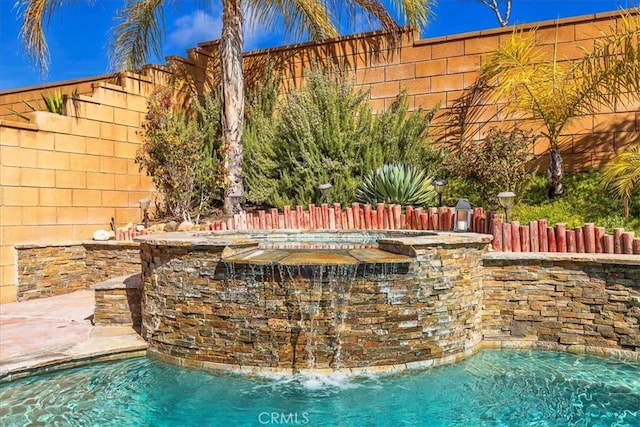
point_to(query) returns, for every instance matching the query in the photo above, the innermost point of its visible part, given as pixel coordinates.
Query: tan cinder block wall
(63, 177)
(434, 72)
(17, 99)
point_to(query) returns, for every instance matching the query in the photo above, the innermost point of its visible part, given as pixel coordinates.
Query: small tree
(179, 157)
(557, 92)
(501, 162)
(622, 174)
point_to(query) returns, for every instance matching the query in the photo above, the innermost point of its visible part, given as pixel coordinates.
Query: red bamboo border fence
(536, 236)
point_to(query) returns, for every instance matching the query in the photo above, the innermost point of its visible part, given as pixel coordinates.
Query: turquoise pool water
(494, 388)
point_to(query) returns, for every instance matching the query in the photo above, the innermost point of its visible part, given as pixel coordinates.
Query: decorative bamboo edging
(537, 236)
(335, 217)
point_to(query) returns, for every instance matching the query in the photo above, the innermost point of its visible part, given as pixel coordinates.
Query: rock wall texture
(574, 302)
(196, 308)
(452, 300)
(49, 270)
(118, 301)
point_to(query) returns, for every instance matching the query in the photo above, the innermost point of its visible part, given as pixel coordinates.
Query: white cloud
(194, 28)
(200, 26)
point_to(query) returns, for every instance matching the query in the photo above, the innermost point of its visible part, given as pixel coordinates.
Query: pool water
(493, 388)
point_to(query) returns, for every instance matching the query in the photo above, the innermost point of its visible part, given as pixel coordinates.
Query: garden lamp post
(438, 186)
(506, 199)
(144, 205)
(463, 215)
(325, 189)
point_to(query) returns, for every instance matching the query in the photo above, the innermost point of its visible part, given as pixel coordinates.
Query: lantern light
(463, 215)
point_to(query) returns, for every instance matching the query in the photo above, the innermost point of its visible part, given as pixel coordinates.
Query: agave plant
(397, 183)
(54, 102)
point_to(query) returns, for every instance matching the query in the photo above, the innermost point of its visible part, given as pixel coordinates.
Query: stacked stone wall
(49, 270)
(118, 301)
(570, 302)
(198, 309)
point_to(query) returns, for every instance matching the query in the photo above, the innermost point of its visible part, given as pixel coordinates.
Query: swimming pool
(493, 388)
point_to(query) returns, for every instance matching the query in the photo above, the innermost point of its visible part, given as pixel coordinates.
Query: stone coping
(235, 238)
(624, 356)
(105, 243)
(91, 352)
(105, 343)
(48, 334)
(539, 257)
(131, 281)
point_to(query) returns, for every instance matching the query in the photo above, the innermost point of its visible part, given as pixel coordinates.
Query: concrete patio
(57, 333)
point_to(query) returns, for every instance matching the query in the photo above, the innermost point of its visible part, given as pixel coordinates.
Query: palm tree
(139, 31)
(622, 174)
(556, 92)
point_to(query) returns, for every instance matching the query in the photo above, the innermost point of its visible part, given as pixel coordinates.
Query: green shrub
(397, 183)
(260, 162)
(325, 133)
(401, 136)
(501, 162)
(586, 201)
(178, 156)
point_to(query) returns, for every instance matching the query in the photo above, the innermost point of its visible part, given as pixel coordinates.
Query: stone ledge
(104, 344)
(497, 258)
(130, 281)
(106, 243)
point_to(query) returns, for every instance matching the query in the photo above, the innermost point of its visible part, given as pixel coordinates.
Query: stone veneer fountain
(297, 301)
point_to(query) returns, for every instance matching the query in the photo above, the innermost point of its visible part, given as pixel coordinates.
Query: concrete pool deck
(57, 333)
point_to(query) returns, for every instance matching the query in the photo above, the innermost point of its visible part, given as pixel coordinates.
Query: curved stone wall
(199, 310)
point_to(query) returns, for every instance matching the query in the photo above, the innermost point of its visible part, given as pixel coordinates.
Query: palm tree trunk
(232, 103)
(555, 187)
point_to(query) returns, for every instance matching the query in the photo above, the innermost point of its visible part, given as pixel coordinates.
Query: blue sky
(78, 34)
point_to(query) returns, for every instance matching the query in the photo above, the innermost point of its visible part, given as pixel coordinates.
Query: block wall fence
(62, 177)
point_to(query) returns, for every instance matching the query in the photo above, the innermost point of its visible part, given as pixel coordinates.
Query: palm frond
(622, 173)
(34, 14)
(611, 71)
(416, 12)
(374, 9)
(139, 33)
(300, 17)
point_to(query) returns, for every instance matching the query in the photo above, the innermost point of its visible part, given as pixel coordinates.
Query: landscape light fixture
(144, 205)
(506, 199)
(325, 189)
(438, 186)
(463, 215)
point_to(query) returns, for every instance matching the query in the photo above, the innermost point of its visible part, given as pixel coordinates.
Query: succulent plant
(397, 183)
